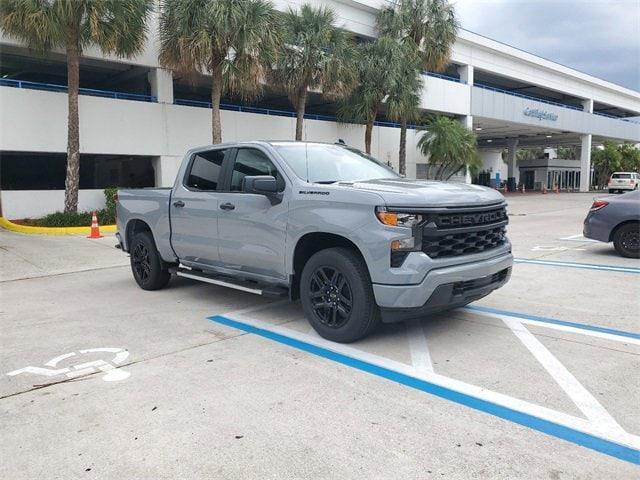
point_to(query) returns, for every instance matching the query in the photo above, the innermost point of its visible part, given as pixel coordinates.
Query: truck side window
(250, 162)
(205, 170)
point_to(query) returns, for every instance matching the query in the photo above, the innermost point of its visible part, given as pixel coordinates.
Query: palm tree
(314, 55)
(403, 101)
(428, 28)
(234, 41)
(449, 146)
(115, 26)
(378, 66)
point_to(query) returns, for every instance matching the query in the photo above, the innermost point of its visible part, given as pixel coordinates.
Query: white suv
(622, 181)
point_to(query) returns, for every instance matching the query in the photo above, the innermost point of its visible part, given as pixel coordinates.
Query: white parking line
(578, 238)
(586, 402)
(562, 328)
(586, 426)
(420, 356)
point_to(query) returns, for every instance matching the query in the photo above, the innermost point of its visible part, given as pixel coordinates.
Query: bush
(110, 203)
(106, 216)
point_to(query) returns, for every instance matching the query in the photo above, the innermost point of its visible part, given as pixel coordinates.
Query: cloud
(598, 37)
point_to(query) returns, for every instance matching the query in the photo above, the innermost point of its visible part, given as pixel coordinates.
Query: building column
(585, 163)
(166, 169)
(587, 105)
(512, 181)
(467, 121)
(161, 81)
(466, 74)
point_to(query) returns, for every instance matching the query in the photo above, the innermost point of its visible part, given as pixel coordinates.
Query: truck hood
(402, 192)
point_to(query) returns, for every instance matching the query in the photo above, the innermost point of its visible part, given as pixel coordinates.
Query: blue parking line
(607, 447)
(589, 266)
(555, 321)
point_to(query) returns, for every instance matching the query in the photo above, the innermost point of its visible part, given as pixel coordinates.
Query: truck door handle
(178, 204)
(227, 206)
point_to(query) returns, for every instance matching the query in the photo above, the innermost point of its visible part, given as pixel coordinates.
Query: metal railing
(277, 112)
(629, 120)
(51, 87)
(528, 97)
(444, 77)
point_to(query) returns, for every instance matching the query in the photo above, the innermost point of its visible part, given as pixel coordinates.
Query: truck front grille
(450, 234)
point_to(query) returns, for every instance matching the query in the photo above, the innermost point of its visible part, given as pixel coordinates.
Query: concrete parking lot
(538, 380)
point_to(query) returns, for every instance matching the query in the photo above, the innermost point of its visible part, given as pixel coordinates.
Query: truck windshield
(325, 163)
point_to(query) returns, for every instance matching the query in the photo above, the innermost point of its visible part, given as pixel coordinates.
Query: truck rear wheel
(337, 296)
(146, 263)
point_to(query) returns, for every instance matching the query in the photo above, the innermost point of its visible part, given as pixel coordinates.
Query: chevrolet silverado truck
(323, 223)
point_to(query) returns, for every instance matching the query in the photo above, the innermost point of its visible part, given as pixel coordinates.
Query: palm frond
(449, 146)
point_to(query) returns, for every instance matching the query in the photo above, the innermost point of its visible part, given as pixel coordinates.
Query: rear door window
(205, 169)
(621, 175)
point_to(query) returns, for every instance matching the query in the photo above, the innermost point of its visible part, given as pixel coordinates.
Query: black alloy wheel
(331, 297)
(337, 295)
(149, 271)
(141, 262)
(626, 240)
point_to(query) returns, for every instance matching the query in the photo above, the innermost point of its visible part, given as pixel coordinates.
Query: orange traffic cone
(95, 228)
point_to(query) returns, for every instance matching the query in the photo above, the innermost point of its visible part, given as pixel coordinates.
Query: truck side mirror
(262, 185)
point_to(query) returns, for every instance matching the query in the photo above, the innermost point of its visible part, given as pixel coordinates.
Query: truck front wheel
(337, 296)
(146, 263)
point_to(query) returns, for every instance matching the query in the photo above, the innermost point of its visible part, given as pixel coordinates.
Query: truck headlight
(396, 219)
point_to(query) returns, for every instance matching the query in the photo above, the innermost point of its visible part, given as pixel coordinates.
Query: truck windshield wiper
(327, 182)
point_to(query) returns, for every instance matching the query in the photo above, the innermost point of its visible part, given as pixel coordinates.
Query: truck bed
(150, 205)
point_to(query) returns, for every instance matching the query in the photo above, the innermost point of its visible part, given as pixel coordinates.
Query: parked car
(327, 224)
(617, 220)
(623, 182)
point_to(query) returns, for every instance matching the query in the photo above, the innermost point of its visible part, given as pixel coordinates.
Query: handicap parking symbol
(110, 368)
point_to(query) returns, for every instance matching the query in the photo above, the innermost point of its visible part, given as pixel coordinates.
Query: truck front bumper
(443, 288)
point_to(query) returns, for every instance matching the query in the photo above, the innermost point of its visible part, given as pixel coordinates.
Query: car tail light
(597, 205)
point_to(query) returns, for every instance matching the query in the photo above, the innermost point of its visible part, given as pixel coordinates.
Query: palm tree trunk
(72, 180)
(367, 136)
(402, 154)
(216, 95)
(300, 109)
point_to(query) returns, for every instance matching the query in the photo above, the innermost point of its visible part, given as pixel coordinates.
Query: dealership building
(137, 119)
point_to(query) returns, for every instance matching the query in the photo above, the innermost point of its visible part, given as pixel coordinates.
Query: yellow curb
(14, 227)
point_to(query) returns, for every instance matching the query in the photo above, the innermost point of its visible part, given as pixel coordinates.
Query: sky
(598, 37)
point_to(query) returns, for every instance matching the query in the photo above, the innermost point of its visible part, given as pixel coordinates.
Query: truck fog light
(404, 244)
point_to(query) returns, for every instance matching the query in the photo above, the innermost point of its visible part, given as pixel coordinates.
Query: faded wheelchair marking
(112, 372)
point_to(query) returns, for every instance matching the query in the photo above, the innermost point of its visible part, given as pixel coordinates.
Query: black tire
(146, 264)
(611, 190)
(626, 240)
(341, 319)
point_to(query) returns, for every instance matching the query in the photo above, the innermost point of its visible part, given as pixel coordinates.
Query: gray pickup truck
(323, 223)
